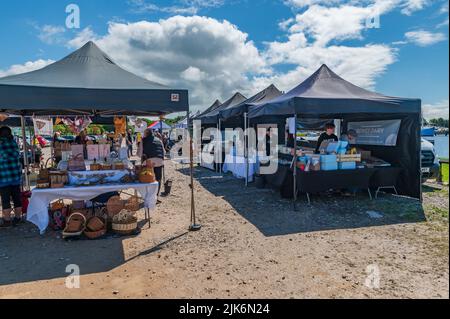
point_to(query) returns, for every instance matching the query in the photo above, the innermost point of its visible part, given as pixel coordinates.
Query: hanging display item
(43, 126)
(79, 124)
(120, 125)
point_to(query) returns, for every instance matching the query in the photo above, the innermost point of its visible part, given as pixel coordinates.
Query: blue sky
(216, 47)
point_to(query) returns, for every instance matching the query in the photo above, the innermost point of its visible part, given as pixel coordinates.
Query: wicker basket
(75, 225)
(125, 229)
(133, 204)
(119, 166)
(106, 167)
(58, 205)
(97, 226)
(95, 167)
(114, 206)
(124, 223)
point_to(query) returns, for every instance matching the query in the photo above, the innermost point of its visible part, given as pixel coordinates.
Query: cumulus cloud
(26, 67)
(211, 58)
(50, 34)
(425, 38)
(436, 110)
(313, 39)
(177, 7)
(359, 65)
(407, 7)
(85, 35)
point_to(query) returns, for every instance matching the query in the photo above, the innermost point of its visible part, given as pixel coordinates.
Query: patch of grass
(442, 212)
(444, 172)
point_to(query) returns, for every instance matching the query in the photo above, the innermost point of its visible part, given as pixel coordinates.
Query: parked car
(430, 162)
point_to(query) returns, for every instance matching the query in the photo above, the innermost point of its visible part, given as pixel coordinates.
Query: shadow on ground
(48, 256)
(274, 216)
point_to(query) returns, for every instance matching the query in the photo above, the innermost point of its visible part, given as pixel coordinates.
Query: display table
(41, 198)
(322, 181)
(237, 166)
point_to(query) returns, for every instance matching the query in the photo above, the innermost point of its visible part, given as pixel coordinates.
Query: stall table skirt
(238, 167)
(41, 198)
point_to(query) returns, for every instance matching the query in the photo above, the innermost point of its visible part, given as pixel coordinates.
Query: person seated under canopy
(328, 135)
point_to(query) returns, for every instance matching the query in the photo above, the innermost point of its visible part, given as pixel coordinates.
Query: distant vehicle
(68, 138)
(430, 162)
(428, 131)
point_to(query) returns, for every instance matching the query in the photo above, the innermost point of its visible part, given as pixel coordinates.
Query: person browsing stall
(328, 135)
(152, 149)
(10, 178)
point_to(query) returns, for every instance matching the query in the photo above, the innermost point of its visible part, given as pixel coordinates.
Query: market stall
(88, 83)
(388, 131)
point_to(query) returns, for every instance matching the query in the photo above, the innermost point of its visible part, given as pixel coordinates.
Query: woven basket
(125, 229)
(95, 167)
(106, 167)
(58, 205)
(119, 166)
(133, 204)
(114, 206)
(124, 223)
(97, 226)
(77, 221)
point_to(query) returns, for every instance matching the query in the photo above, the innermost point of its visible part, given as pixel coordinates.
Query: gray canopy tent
(88, 82)
(325, 95)
(214, 106)
(212, 117)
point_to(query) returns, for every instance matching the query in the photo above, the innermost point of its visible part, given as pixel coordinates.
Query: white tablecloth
(237, 166)
(41, 198)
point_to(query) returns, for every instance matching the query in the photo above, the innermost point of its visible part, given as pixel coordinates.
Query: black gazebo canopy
(325, 95)
(87, 82)
(212, 117)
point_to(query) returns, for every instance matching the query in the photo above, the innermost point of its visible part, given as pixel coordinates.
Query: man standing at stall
(328, 135)
(152, 149)
(10, 178)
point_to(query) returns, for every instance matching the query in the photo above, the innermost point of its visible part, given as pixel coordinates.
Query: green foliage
(440, 122)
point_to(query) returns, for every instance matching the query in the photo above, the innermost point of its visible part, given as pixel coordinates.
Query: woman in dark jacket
(10, 178)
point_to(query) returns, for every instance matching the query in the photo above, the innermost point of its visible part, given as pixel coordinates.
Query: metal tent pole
(219, 150)
(25, 153)
(295, 162)
(161, 132)
(194, 226)
(246, 153)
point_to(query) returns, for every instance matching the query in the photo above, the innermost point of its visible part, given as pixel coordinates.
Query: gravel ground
(252, 245)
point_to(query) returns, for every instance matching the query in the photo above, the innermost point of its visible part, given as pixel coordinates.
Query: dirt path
(252, 245)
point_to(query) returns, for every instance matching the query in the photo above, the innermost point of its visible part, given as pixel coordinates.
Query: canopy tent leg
(194, 226)
(25, 153)
(246, 155)
(219, 150)
(295, 163)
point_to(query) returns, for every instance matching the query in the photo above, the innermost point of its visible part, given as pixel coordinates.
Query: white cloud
(81, 38)
(211, 58)
(359, 65)
(424, 38)
(411, 6)
(26, 67)
(436, 110)
(314, 39)
(187, 7)
(407, 7)
(50, 34)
